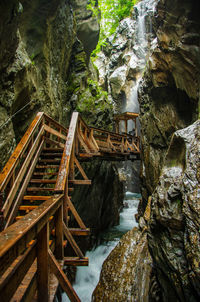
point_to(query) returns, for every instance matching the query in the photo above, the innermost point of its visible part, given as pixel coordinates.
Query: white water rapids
(88, 277)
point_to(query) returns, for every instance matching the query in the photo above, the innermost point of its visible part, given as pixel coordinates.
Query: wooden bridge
(36, 206)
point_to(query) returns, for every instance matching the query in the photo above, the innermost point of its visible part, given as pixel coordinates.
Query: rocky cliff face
(43, 59)
(169, 92)
(169, 96)
(174, 222)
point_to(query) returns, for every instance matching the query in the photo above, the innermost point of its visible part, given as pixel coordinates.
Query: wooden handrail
(64, 166)
(14, 239)
(7, 171)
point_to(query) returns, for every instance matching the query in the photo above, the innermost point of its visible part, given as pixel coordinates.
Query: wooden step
(37, 198)
(76, 261)
(53, 150)
(79, 232)
(18, 217)
(51, 161)
(36, 189)
(47, 166)
(39, 189)
(80, 182)
(43, 181)
(45, 173)
(47, 155)
(27, 208)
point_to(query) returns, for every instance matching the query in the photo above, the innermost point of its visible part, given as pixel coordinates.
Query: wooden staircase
(37, 208)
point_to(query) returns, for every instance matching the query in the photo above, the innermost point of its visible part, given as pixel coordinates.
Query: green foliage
(112, 12)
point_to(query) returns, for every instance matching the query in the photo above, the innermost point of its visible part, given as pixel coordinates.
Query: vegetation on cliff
(112, 12)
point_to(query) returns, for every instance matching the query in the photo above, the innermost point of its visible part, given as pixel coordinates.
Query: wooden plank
(14, 240)
(19, 150)
(39, 189)
(43, 264)
(64, 166)
(76, 261)
(80, 168)
(45, 173)
(62, 278)
(47, 167)
(54, 132)
(29, 197)
(27, 208)
(76, 215)
(22, 189)
(53, 150)
(80, 181)
(79, 232)
(10, 284)
(42, 181)
(49, 161)
(72, 242)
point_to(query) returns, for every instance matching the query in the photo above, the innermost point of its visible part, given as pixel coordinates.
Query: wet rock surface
(126, 273)
(169, 91)
(174, 223)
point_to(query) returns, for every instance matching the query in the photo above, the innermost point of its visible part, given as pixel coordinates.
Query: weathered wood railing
(18, 170)
(28, 240)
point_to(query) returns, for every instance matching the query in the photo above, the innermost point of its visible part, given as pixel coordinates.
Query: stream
(88, 277)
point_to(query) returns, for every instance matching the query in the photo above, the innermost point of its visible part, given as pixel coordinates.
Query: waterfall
(143, 35)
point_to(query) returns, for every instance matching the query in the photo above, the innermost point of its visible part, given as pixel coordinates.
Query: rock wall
(39, 48)
(169, 92)
(169, 98)
(173, 233)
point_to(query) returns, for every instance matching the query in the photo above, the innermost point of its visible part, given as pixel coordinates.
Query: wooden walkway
(36, 206)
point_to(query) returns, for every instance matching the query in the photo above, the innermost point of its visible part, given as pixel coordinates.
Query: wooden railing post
(59, 249)
(43, 264)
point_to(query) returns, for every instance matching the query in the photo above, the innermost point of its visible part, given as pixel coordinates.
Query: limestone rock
(174, 222)
(126, 273)
(87, 25)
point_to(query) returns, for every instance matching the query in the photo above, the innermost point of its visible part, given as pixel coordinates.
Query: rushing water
(88, 277)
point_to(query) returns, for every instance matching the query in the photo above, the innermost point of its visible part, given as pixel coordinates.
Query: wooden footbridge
(36, 205)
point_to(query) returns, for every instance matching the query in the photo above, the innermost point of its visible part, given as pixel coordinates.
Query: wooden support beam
(80, 182)
(43, 264)
(62, 278)
(76, 215)
(72, 242)
(79, 232)
(58, 217)
(80, 168)
(76, 261)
